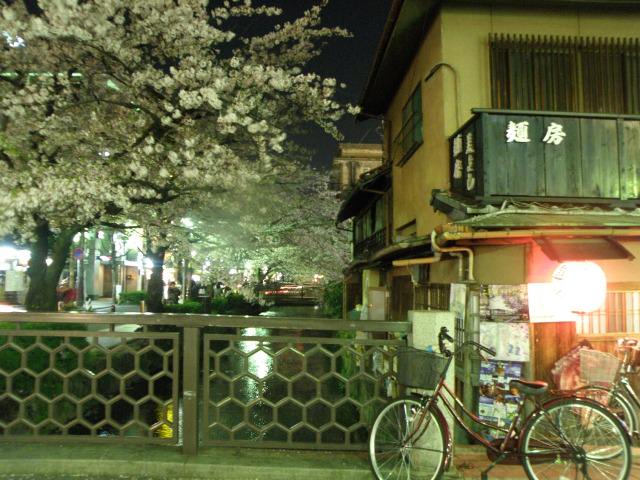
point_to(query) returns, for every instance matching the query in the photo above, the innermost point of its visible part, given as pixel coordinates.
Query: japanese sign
(464, 160)
(538, 155)
(519, 132)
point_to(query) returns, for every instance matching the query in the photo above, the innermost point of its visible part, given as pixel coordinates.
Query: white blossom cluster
(287, 228)
(116, 107)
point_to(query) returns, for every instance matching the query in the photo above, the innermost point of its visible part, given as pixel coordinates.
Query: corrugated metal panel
(566, 219)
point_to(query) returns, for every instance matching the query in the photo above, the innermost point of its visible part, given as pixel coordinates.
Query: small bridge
(299, 295)
(197, 380)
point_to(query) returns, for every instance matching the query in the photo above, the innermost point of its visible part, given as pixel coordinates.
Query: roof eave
(377, 94)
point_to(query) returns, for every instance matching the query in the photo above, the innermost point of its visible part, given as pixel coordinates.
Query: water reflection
(165, 430)
(271, 385)
(260, 363)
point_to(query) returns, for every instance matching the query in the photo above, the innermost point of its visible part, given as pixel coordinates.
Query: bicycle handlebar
(444, 335)
(628, 343)
(490, 351)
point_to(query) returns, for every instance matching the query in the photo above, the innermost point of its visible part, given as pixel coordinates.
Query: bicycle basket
(419, 368)
(598, 367)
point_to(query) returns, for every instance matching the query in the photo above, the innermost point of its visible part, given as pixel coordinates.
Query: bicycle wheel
(573, 438)
(402, 446)
(614, 401)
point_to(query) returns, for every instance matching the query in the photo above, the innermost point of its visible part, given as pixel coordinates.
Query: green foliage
(132, 298)
(333, 299)
(190, 306)
(235, 304)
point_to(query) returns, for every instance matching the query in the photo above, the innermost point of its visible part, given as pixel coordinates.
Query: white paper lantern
(580, 286)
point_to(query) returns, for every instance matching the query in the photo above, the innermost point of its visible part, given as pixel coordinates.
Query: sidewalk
(118, 461)
(111, 461)
(103, 305)
(470, 460)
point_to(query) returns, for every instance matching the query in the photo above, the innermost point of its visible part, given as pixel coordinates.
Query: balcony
(547, 156)
(365, 248)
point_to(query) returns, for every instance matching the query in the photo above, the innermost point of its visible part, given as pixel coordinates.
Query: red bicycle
(564, 438)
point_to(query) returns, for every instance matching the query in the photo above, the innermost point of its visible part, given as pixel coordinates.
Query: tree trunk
(43, 278)
(155, 287)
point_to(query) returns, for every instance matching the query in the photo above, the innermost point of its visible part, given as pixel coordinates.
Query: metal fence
(64, 380)
(293, 383)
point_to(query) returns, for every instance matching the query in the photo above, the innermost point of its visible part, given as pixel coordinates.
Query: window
(410, 136)
(620, 315)
(565, 74)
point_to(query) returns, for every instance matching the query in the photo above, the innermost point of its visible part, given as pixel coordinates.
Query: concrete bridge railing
(194, 380)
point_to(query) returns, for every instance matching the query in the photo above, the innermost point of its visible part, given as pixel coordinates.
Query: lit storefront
(13, 276)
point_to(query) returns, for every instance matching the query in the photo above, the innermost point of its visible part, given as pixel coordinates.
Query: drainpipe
(459, 256)
(460, 250)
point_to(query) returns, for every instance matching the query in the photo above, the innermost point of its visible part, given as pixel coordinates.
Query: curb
(125, 469)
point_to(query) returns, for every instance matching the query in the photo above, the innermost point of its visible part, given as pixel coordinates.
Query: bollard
(143, 306)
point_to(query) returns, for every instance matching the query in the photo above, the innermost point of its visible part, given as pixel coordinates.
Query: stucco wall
(412, 182)
(493, 265)
(465, 41)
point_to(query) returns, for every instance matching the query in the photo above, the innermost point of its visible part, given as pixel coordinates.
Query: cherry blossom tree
(110, 106)
(285, 227)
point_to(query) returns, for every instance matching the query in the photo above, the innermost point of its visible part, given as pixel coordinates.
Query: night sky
(349, 61)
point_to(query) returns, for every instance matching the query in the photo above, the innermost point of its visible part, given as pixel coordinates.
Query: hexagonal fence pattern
(100, 384)
(294, 392)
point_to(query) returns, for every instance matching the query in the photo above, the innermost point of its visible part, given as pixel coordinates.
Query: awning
(580, 249)
(372, 185)
(410, 248)
(569, 218)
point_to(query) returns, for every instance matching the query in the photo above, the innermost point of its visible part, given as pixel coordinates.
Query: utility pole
(80, 277)
(114, 268)
(184, 280)
(72, 268)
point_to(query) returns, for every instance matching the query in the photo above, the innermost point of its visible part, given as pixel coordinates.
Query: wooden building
(512, 146)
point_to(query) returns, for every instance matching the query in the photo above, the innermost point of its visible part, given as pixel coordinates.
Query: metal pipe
(502, 234)
(459, 256)
(417, 261)
(439, 249)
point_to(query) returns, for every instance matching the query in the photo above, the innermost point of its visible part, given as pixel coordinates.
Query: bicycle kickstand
(485, 473)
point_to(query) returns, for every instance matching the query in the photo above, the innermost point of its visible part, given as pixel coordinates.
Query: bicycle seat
(535, 387)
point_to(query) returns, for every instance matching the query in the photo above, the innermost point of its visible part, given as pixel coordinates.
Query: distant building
(353, 160)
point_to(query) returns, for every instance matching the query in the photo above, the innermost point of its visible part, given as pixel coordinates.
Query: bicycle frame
(509, 446)
(503, 449)
(438, 393)
(628, 389)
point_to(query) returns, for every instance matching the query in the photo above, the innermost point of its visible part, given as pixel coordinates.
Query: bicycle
(616, 392)
(565, 437)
